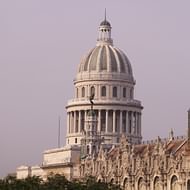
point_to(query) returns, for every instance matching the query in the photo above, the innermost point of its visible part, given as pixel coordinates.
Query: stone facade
(63, 160)
(159, 165)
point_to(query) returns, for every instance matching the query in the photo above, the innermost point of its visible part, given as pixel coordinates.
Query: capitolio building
(104, 137)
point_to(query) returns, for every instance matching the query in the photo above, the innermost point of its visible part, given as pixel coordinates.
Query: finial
(171, 134)
(105, 15)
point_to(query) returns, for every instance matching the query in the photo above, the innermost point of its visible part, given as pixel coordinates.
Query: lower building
(64, 161)
(161, 164)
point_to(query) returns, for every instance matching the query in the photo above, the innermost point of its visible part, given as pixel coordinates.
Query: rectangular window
(114, 91)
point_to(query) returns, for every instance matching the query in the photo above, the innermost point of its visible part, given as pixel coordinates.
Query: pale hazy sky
(41, 44)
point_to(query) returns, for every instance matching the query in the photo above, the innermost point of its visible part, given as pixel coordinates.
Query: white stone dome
(105, 61)
(105, 85)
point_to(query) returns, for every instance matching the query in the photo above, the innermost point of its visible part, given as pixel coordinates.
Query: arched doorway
(99, 181)
(141, 184)
(125, 184)
(157, 185)
(188, 184)
(174, 183)
(112, 181)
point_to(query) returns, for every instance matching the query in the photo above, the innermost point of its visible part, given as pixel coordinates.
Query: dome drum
(103, 76)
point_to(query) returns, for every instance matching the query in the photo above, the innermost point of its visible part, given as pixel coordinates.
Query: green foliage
(54, 182)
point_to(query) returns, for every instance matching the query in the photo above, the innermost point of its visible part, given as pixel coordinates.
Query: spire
(105, 15)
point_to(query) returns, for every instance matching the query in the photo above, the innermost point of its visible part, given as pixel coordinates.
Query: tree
(54, 182)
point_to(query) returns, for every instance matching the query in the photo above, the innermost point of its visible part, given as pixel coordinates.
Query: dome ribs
(114, 66)
(103, 59)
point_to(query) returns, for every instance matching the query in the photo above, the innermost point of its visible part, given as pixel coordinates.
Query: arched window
(103, 91)
(174, 183)
(87, 149)
(125, 184)
(92, 90)
(112, 181)
(83, 92)
(141, 184)
(124, 92)
(114, 91)
(157, 185)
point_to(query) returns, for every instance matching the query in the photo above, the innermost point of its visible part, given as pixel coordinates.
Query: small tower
(91, 132)
(104, 36)
(171, 135)
(91, 141)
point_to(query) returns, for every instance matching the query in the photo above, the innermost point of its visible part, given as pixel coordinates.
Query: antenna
(59, 129)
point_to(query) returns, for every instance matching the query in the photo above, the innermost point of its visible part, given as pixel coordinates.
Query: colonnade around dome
(111, 123)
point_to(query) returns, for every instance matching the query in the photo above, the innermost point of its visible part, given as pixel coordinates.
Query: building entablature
(103, 76)
(101, 104)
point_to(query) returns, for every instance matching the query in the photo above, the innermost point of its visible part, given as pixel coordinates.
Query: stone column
(74, 126)
(79, 122)
(71, 121)
(99, 91)
(120, 123)
(113, 121)
(132, 130)
(106, 121)
(68, 126)
(135, 122)
(127, 122)
(140, 124)
(85, 119)
(99, 120)
(138, 131)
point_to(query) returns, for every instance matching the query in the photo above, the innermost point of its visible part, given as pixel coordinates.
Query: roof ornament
(91, 98)
(171, 135)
